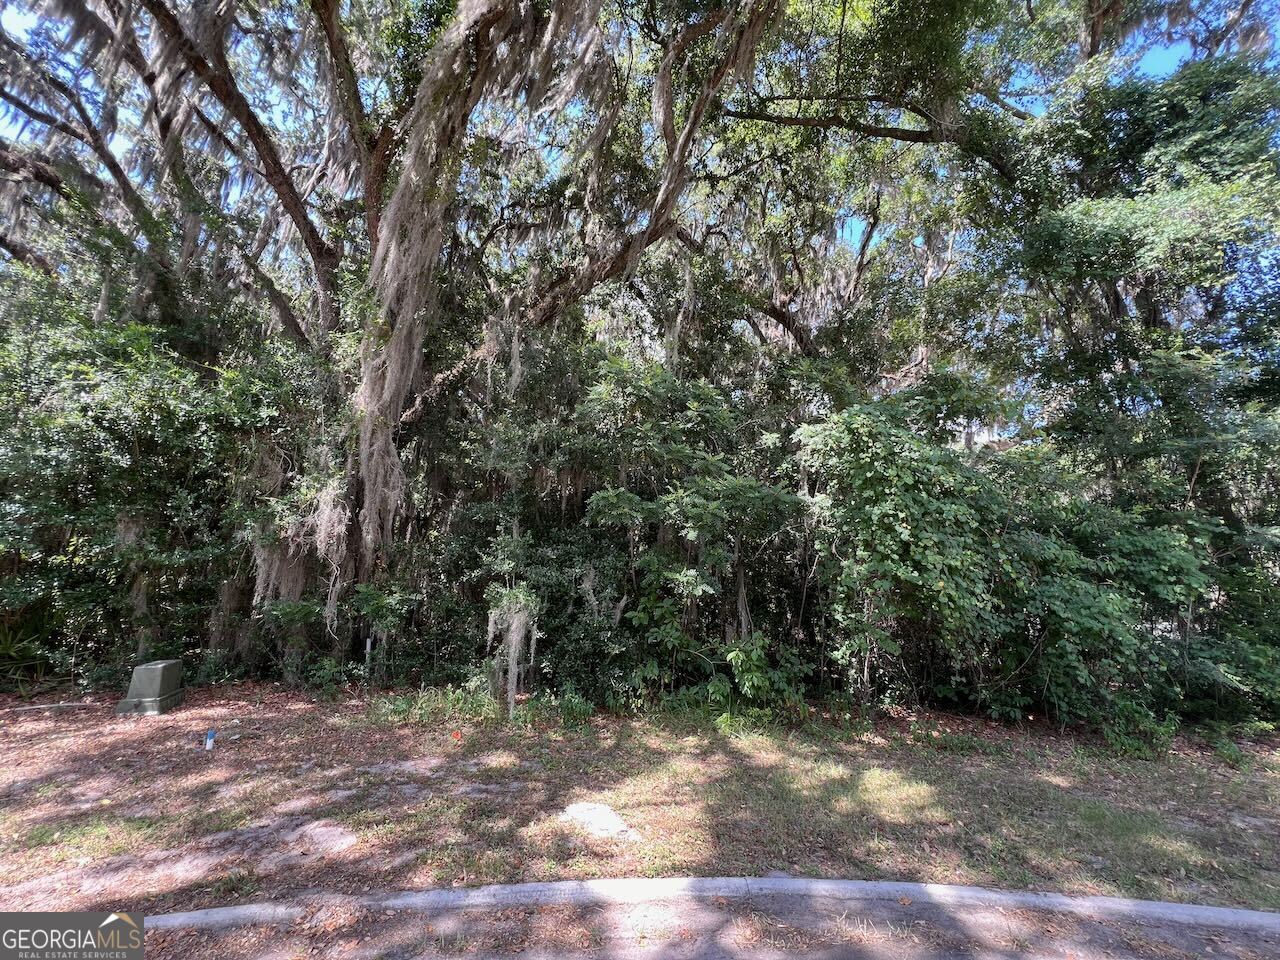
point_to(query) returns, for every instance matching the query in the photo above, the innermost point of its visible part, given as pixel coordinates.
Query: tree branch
(773, 309)
(42, 169)
(663, 97)
(97, 142)
(280, 305)
(344, 75)
(27, 255)
(832, 120)
(40, 116)
(602, 268)
(218, 79)
(254, 279)
(1011, 108)
(959, 137)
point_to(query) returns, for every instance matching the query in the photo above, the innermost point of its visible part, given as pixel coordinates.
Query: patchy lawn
(99, 812)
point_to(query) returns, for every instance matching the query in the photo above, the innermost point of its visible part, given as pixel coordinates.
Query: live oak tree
(384, 145)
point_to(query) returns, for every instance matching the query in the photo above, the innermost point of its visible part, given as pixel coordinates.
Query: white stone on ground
(599, 820)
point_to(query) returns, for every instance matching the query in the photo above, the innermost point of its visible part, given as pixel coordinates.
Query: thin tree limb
(220, 82)
(26, 254)
(344, 76)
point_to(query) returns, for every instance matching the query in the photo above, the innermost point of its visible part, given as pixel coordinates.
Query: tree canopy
(745, 352)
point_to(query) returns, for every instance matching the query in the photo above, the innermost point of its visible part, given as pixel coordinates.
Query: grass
(235, 884)
(936, 738)
(95, 838)
(1010, 808)
(921, 797)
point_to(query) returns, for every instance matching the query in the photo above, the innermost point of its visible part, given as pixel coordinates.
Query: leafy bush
(972, 586)
(20, 656)
(324, 676)
(575, 709)
(1132, 729)
(217, 666)
(470, 703)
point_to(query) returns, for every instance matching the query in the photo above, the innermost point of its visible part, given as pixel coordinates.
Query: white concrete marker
(599, 820)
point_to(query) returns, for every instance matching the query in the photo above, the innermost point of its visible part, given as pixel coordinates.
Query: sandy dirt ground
(312, 801)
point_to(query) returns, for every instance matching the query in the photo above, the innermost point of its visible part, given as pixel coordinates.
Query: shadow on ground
(107, 813)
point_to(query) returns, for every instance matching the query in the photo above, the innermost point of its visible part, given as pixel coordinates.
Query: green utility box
(156, 687)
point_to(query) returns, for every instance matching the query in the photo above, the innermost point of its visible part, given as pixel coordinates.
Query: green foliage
(119, 466)
(235, 884)
(745, 720)
(20, 656)
(1133, 730)
(217, 666)
(324, 676)
(993, 584)
(386, 610)
(469, 703)
(575, 709)
(965, 744)
(690, 510)
(1229, 752)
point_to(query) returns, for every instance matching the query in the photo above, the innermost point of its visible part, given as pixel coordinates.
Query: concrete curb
(594, 892)
(224, 918)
